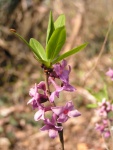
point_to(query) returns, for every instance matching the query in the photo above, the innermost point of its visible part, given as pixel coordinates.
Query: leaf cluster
(55, 39)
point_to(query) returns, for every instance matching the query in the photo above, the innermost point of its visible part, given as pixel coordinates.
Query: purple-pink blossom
(104, 108)
(51, 127)
(110, 73)
(39, 115)
(58, 89)
(61, 71)
(103, 128)
(68, 87)
(39, 95)
(37, 98)
(64, 112)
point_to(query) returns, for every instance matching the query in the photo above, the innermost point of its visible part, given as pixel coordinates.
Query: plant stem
(54, 105)
(47, 87)
(61, 136)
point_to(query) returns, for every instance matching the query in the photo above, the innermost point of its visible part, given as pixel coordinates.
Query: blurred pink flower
(37, 98)
(104, 108)
(103, 128)
(110, 73)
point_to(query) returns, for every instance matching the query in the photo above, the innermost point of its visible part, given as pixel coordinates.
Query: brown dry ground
(86, 21)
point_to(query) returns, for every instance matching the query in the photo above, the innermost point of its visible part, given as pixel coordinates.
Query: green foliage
(99, 96)
(55, 43)
(50, 28)
(69, 53)
(60, 22)
(92, 106)
(55, 39)
(39, 48)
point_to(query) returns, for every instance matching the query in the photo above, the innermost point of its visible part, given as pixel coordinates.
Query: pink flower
(68, 87)
(104, 108)
(110, 73)
(61, 72)
(33, 93)
(65, 112)
(103, 128)
(51, 127)
(58, 89)
(39, 115)
(37, 98)
(42, 86)
(106, 134)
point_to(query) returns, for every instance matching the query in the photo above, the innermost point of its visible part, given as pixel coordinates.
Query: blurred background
(86, 21)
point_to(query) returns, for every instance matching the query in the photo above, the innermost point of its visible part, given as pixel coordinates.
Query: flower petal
(55, 93)
(68, 87)
(53, 133)
(42, 86)
(45, 127)
(110, 73)
(52, 96)
(107, 134)
(65, 76)
(62, 118)
(74, 113)
(59, 128)
(39, 115)
(64, 64)
(30, 101)
(69, 105)
(57, 110)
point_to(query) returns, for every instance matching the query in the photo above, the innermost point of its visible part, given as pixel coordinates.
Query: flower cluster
(103, 128)
(105, 108)
(39, 95)
(105, 111)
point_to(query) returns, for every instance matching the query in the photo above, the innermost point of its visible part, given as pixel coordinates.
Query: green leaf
(13, 31)
(69, 53)
(60, 22)
(55, 43)
(50, 28)
(92, 106)
(106, 91)
(38, 48)
(101, 94)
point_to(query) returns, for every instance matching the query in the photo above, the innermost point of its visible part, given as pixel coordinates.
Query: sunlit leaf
(55, 43)
(38, 47)
(92, 106)
(50, 28)
(69, 53)
(60, 22)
